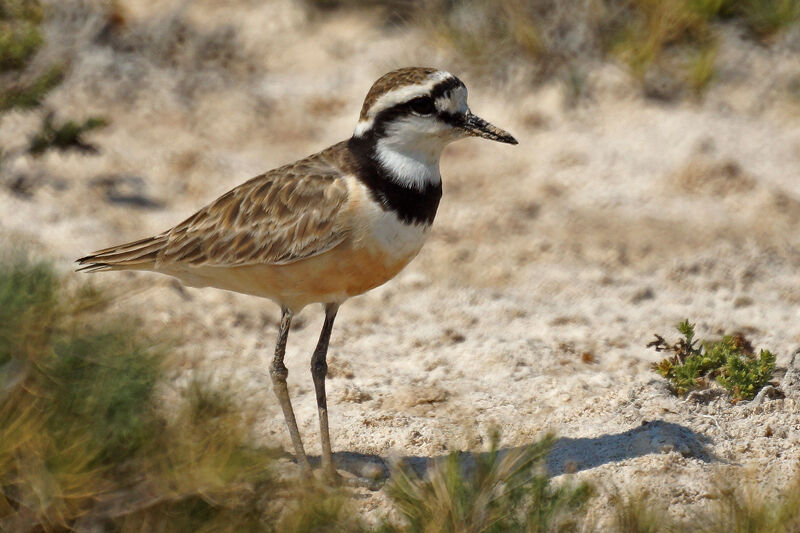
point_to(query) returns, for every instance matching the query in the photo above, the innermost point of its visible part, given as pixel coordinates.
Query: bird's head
(410, 115)
(424, 105)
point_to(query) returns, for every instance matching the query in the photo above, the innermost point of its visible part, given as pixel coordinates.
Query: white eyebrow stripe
(398, 96)
(406, 93)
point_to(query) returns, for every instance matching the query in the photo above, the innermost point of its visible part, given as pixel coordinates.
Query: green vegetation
(743, 508)
(739, 508)
(75, 396)
(701, 69)
(24, 82)
(640, 513)
(764, 18)
(731, 361)
(21, 94)
(21, 84)
(65, 136)
(673, 40)
(81, 437)
(680, 38)
(20, 36)
(500, 492)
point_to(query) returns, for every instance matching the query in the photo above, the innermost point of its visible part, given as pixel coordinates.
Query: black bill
(475, 125)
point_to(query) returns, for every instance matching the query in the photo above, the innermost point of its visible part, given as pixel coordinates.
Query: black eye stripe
(423, 105)
(388, 115)
(383, 118)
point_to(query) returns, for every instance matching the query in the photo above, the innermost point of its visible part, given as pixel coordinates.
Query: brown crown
(392, 80)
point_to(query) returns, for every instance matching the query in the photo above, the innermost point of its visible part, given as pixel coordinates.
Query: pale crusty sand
(550, 266)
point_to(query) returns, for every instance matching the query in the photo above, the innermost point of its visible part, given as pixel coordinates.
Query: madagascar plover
(325, 228)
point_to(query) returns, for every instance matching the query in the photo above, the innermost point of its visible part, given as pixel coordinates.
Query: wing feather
(285, 215)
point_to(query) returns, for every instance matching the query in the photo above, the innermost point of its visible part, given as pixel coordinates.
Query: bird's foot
(334, 478)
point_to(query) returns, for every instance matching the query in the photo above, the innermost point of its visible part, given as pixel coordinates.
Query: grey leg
(319, 369)
(278, 372)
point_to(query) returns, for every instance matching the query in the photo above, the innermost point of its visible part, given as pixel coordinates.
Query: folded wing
(279, 217)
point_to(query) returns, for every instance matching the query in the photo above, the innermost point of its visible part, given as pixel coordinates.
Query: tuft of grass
(500, 492)
(766, 18)
(201, 473)
(20, 36)
(319, 509)
(20, 39)
(739, 508)
(638, 513)
(742, 508)
(648, 28)
(22, 94)
(65, 136)
(701, 69)
(75, 390)
(731, 361)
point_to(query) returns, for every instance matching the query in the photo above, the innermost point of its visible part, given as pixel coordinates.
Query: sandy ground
(550, 266)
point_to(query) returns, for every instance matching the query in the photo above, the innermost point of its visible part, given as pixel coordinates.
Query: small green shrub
(500, 492)
(65, 136)
(731, 361)
(23, 94)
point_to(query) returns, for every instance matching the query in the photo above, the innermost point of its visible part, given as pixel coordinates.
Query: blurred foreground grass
(83, 444)
(737, 505)
(86, 445)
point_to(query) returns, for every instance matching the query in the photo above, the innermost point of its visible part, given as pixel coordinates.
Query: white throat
(412, 160)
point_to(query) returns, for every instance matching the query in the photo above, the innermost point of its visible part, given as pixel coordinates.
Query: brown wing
(279, 217)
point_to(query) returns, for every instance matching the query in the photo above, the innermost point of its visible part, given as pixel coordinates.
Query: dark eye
(422, 106)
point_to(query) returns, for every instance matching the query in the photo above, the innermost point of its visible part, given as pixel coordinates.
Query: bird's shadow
(568, 454)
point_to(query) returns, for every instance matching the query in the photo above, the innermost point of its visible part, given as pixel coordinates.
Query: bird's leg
(278, 372)
(319, 368)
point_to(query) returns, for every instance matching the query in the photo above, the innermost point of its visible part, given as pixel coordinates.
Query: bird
(325, 228)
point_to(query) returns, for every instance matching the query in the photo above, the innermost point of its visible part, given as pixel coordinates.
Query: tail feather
(137, 255)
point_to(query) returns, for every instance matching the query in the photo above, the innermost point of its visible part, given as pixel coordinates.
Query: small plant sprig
(65, 136)
(731, 361)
